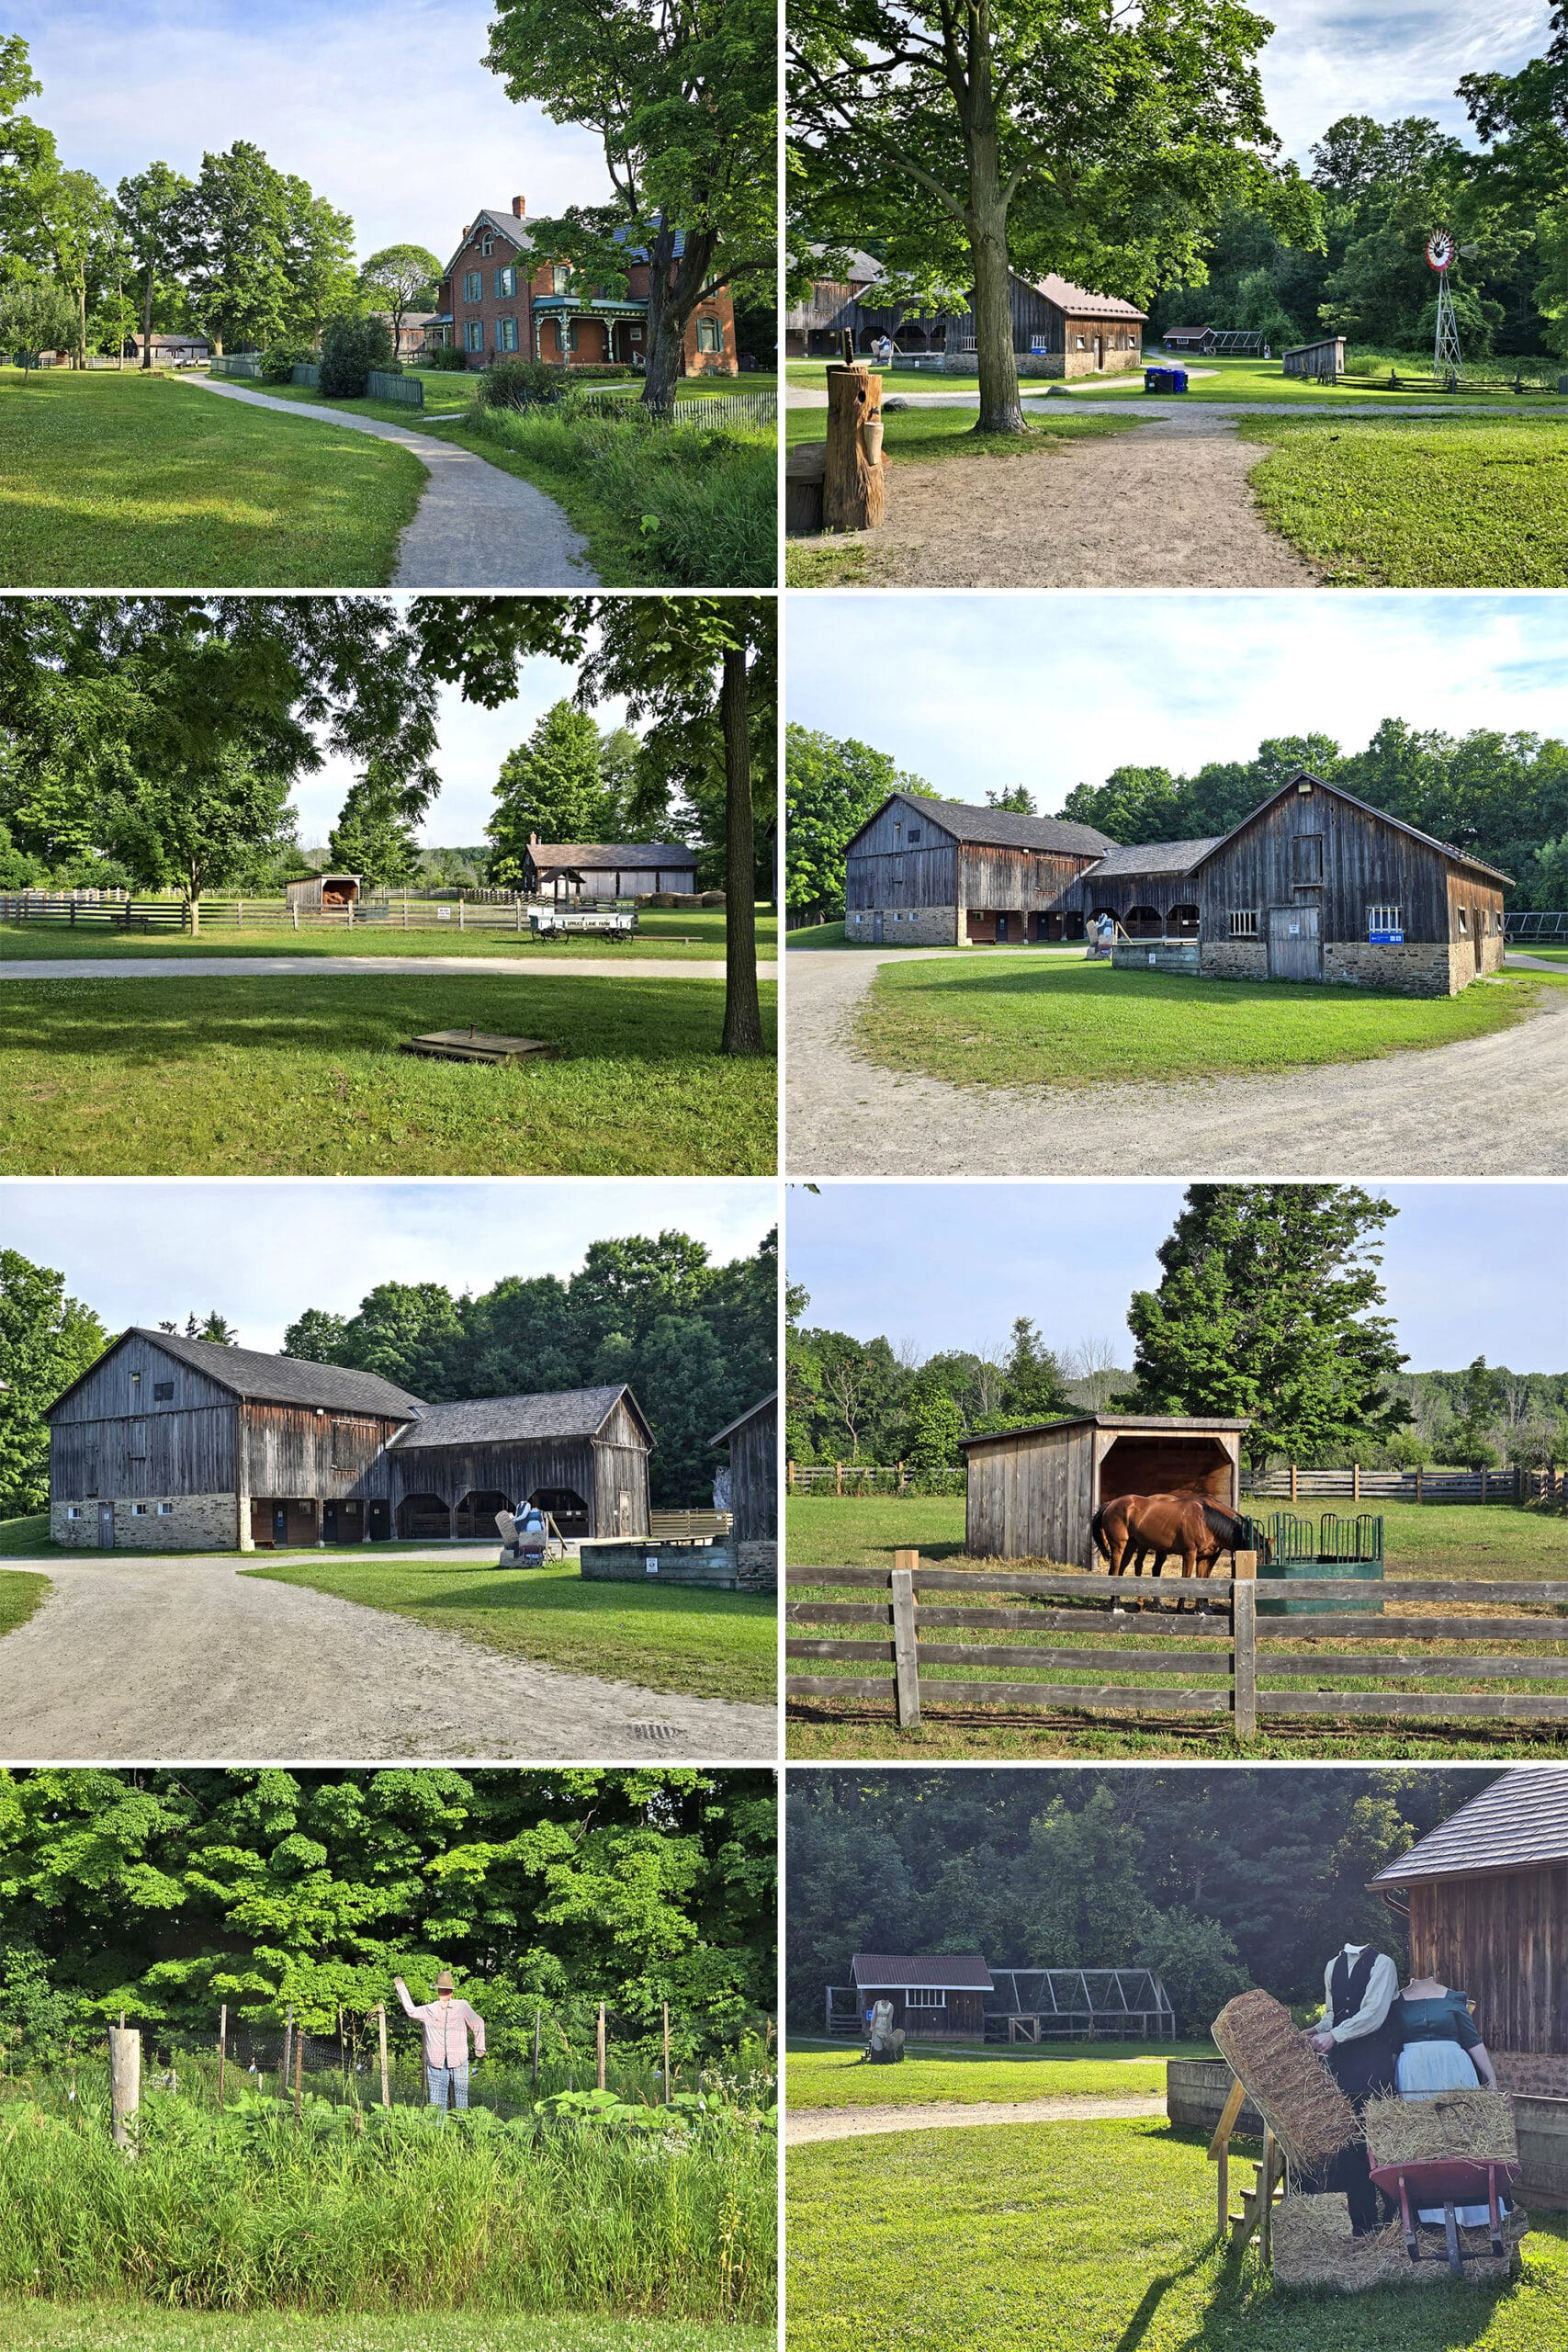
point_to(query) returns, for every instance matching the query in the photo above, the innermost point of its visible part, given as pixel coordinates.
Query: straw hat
(444, 1981)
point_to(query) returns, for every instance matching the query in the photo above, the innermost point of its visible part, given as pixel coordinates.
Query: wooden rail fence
(1513, 1485)
(1222, 1639)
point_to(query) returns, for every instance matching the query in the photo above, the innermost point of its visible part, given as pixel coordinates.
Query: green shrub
(447, 357)
(523, 383)
(351, 347)
(277, 364)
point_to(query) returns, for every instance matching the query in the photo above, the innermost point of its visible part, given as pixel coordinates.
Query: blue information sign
(1385, 938)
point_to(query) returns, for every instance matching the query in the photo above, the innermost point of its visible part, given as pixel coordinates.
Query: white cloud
(1329, 58)
(261, 1252)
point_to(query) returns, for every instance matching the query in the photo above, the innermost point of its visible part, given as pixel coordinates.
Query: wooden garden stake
(854, 496)
(386, 2080)
(223, 2048)
(1219, 2149)
(600, 2045)
(1244, 1629)
(906, 1657)
(1265, 2199)
(666, 2054)
(535, 2051)
(125, 2084)
(299, 2073)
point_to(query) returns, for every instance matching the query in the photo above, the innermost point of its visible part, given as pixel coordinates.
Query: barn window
(925, 1997)
(1243, 922)
(914, 835)
(162, 1391)
(1385, 919)
(165, 1510)
(135, 1381)
(1464, 922)
(141, 1510)
(74, 1510)
(1307, 850)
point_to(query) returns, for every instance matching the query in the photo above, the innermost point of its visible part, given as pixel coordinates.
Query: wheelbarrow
(1450, 2182)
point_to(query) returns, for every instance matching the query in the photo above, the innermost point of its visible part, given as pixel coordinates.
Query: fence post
(287, 2051)
(299, 2073)
(789, 1477)
(1244, 1667)
(1355, 1482)
(905, 1655)
(1483, 1486)
(666, 2054)
(1292, 1482)
(223, 2048)
(600, 2045)
(125, 2084)
(1420, 1482)
(838, 1477)
(386, 2079)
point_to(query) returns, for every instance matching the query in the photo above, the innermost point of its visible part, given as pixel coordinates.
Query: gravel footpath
(340, 967)
(806, 2124)
(1402, 1115)
(476, 528)
(188, 1660)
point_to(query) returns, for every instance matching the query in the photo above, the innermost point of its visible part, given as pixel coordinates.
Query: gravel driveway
(476, 528)
(133, 1658)
(806, 2124)
(350, 968)
(1494, 1105)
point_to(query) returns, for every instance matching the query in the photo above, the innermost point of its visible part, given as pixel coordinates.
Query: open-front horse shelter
(1031, 1494)
(171, 1445)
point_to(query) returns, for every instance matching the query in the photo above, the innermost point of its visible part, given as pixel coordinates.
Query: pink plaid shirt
(446, 2026)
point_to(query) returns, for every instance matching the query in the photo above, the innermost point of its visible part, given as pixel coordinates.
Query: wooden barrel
(804, 471)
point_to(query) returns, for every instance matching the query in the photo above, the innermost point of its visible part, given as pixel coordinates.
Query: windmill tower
(1441, 255)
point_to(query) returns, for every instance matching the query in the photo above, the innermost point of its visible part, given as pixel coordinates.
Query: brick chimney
(519, 207)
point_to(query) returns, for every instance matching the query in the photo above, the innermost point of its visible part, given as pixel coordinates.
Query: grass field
(1221, 379)
(138, 2327)
(1552, 954)
(1407, 502)
(285, 1076)
(816, 934)
(1490, 1541)
(834, 2077)
(664, 931)
(670, 1637)
(20, 1593)
(1064, 1023)
(1099, 2237)
(132, 482)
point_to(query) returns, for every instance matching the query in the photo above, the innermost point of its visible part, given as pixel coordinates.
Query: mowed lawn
(836, 2077)
(143, 2327)
(21, 1591)
(292, 1076)
(698, 937)
(112, 481)
(1011, 1020)
(1411, 503)
(669, 1638)
(1091, 2237)
(1459, 1541)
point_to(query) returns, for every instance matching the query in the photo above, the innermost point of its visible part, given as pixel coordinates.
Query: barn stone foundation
(757, 1566)
(1414, 969)
(1155, 955)
(196, 1523)
(1234, 959)
(903, 927)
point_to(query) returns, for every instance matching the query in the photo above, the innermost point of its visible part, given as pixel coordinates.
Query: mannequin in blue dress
(1442, 2050)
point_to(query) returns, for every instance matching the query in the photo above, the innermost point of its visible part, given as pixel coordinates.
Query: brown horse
(1131, 1529)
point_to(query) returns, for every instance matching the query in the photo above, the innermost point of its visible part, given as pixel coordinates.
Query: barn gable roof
(1364, 807)
(956, 1972)
(1129, 1422)
(505, 1420)
(763, 1405)
(998, 828)
(1079, 303)
(627, 855)
(271, 1380)
(1518, 1823)
(1155, 857)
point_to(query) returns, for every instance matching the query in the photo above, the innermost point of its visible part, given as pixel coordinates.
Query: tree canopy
(555, 786)
(47, 1341)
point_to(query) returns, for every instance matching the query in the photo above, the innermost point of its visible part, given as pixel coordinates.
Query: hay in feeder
(1476, 2126)
(1313, 2247)
(1286, 2080)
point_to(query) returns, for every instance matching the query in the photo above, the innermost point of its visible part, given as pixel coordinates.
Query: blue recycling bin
(1165, 379)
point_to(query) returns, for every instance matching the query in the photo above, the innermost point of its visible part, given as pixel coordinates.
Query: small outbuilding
(325, 893)
(567, 870)
(935, 1998)
(752, 1442)
(1031, 1494)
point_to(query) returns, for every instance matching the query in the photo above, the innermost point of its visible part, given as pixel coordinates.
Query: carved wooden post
(853, 486)
(125, 2084)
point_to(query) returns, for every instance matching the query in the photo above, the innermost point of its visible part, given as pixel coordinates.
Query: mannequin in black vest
(1358, 2041)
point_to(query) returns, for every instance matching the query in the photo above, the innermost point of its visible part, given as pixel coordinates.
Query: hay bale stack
(1313, 2247)
(1286, 2080)
(1473, 2126)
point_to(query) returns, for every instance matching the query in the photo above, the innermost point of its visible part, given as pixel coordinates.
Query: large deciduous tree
(78, 225)
(372, 840)
(830, 788)
(1091, 136)
(1267, 1308)
(683, 99)
(47, 1341)
(399, 279)
(240, 246)
(149, 206)
(553, 786)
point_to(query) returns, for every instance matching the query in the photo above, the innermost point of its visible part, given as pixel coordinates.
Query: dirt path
(805, 2124)
(341, 967)
(190, 1661)
(1167, 505)
(476, 528)
(1399, 1116)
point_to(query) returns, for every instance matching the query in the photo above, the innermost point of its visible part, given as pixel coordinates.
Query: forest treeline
(1268, 1308)
(1501, 797)
(696, 1340)
(167, 1894)
(1155, 1869)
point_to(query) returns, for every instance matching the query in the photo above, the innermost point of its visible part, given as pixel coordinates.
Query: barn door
(877, 928)
(105, 1527)
(1296, 946)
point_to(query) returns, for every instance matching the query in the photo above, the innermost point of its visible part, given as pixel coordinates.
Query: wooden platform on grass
(478, 1045)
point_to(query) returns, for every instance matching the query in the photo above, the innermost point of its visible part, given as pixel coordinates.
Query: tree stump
(854, 494)
(804, 469)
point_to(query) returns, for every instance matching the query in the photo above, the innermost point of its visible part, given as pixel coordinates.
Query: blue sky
(1055, 690)
(382, 105)
(1329, 58)
(1470, 1269)
(143, 1251)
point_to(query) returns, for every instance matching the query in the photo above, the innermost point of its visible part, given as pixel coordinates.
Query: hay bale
(1313, 2247)
(1475, 2125)
(1286, 2080)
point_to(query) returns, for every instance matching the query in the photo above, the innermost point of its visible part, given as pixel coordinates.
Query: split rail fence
(1219, 1636)
(275, 915)
(1513, 1485)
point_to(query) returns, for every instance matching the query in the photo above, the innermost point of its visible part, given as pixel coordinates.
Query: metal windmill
(1441, 254)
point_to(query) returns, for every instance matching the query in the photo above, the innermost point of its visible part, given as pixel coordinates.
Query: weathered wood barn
(1313, 884)
(814, 327)
(607, 869)
(1058, 329)
(935, 1998)
(1486, 1896)
(1031, 1494)
(935, 873)
(752, 1441)
(175, 1444)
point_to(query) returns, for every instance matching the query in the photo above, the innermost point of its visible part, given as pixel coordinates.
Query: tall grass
(701, 498)
(245, 2209)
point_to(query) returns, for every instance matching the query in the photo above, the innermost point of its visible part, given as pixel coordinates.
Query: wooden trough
(473, 1045)
(1032, 1493)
